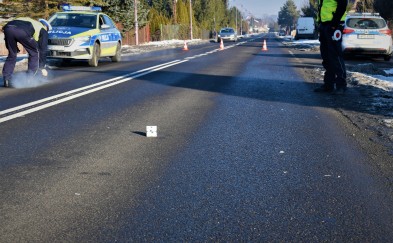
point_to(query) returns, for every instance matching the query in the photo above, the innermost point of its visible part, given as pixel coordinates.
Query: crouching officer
(331, 16)
(33, 36)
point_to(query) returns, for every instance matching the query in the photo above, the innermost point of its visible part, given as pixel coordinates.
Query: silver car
(367, 34)
(227, 34)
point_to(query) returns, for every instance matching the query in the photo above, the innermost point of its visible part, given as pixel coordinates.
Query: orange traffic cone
(222, 45)
(264, 48)
(185, 48)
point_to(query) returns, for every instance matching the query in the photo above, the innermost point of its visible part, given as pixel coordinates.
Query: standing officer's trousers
(332, 58)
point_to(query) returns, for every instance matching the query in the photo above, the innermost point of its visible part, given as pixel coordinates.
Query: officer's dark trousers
(332, 58)
(13, 35)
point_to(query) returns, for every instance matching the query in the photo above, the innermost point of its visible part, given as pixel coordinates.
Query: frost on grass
(376, 86)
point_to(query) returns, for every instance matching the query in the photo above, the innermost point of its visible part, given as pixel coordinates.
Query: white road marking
(22, 110)
(73, 94)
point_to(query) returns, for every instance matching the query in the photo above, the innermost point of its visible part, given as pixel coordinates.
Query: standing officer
(33, 36)
(331, 16)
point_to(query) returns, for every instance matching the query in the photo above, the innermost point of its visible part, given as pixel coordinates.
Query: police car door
(107, 37)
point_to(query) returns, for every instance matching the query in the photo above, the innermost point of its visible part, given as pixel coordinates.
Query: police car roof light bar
(363, 14)
(69, 7)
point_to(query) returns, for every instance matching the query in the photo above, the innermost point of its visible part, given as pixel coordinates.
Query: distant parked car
(282, 33)
(367, 34)
(227, 34)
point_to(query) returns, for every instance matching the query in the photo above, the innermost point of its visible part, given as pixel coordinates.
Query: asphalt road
(245, 152)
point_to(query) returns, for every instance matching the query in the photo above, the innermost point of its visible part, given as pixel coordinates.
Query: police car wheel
(93, 62)
(117, 56)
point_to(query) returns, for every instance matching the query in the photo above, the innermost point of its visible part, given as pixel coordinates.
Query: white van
(305, 28)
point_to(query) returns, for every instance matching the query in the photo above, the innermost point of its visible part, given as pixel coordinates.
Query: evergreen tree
(215, 12)
(164, 7)
(233, 14)
(385, 8)
(156, 19)
(183, 15)
(122, 11)
(288, 14)
(310, 9)
(40, 8)
(206, 14)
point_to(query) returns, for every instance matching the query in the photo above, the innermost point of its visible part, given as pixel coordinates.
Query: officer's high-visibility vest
(37, 25)
(327, 9)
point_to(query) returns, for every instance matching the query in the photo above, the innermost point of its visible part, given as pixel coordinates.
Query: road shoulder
(365, 112)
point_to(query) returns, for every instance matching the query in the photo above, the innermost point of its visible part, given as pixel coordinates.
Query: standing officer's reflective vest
(326, 10)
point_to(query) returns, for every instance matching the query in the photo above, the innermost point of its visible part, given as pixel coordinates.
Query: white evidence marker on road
(151, 131)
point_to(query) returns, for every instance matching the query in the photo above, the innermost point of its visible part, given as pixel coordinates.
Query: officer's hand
(335, 25)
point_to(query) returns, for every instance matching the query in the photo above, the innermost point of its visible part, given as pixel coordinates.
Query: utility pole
(236, 12)
(46, 9)
(136, 22)
(241, 24)
(174, 11)
(214, 19)
(236, 19)
(191, 19)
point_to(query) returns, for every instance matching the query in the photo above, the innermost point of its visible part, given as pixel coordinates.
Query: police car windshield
(227, 31)
(74, 20)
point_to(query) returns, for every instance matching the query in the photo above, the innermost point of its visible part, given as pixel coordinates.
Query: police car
(367, 34)
(83, 33)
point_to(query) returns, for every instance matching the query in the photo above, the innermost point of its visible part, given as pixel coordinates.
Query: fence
(180, 32)
(128, 39)
(143, 35)
(167, 32)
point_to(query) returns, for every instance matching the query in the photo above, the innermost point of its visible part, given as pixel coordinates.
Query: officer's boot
(6, 83)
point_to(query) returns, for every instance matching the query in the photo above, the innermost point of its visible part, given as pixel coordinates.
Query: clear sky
(258, 8)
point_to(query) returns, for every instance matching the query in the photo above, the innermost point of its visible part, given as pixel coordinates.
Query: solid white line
(71, 97)
(80, 89)
(73, 94)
